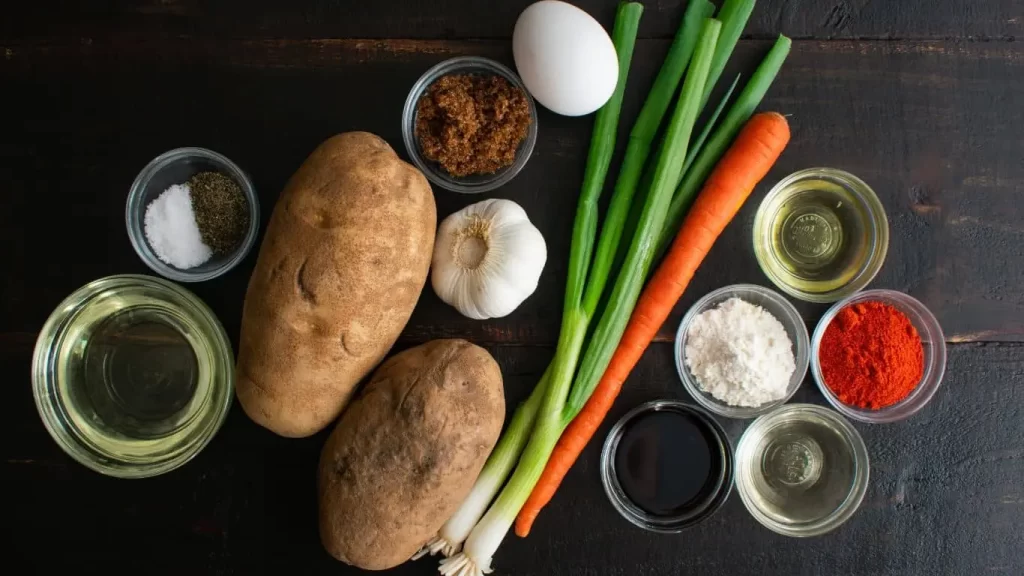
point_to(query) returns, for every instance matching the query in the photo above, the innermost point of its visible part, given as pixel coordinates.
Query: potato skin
(406, 453)
(343, 262)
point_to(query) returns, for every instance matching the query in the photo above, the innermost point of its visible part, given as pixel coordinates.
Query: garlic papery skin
(488, 258)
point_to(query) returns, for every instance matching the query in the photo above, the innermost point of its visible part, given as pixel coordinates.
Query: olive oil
(817, 235)
(820, 233)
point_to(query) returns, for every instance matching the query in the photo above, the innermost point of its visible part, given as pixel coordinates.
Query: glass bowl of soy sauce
(667, 466)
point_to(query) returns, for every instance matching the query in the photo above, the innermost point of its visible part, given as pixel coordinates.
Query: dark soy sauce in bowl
(667, 465)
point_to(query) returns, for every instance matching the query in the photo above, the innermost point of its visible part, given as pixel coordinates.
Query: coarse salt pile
(740, 354)
(171, 229)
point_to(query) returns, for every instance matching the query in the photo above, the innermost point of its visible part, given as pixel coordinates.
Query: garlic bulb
(487, 259)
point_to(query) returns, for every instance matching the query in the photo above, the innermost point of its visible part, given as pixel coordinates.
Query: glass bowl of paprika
(878, 356)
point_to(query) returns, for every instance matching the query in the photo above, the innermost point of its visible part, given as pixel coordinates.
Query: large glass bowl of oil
(821, 234)
(132, 375)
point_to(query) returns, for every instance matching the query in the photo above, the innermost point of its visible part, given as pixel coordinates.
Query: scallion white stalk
(484, 540)
(454, 532)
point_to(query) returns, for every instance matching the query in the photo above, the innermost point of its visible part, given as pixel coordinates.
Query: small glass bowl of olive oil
(132, 375)
(821, 234)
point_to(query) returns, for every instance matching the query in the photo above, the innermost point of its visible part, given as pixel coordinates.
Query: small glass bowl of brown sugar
(469, 124)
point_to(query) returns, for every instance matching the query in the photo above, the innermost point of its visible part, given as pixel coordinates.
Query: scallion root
(438, 544)
(461, 565)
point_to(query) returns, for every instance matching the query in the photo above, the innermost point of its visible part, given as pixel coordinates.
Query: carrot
(747, 161)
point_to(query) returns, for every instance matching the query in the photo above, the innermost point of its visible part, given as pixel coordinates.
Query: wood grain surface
(932, 126)
(864, 19)
(920, 98)
(945, 497)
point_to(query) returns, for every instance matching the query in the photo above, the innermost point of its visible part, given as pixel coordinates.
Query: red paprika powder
(871, 355)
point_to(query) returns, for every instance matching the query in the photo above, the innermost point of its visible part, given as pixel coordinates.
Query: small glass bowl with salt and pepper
(192, 214)
(772, 303)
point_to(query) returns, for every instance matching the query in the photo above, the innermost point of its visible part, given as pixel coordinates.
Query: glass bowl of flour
(742, 350)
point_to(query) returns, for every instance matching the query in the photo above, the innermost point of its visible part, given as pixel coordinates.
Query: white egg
(564, 57)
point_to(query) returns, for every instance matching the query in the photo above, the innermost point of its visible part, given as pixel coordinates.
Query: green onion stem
(639, 147)
(642, 248)
(698, 144)
(599, 158)
(485, 538)
(740, 111)
(734, 15)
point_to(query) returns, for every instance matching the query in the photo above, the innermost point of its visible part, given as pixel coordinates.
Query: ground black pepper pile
(472, 124)
(222, 212)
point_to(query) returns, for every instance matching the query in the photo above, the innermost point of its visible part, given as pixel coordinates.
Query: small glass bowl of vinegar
(821, 234)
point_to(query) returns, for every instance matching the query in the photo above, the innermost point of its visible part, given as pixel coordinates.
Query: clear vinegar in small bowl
(801, 470)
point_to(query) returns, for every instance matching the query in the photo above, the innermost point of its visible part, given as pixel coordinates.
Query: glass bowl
(801, 470)
(176, 167)
(477, 183)
(775, 304)
(132, 375)
(821, 234)
(711, 497)
(932, 340)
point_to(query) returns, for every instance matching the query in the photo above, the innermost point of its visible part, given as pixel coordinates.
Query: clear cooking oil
(815, 235)
(134, 376)
(139, 373)
(820, 233)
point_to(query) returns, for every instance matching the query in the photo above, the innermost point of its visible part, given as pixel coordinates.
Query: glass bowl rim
(134, 214)
(801, 351)
(431, 171)
(43, 366)
(935, 365)
(712, 503)
(845, 510)
(879, 226)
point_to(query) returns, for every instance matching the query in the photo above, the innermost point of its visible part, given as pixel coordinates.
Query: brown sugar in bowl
(450, 151)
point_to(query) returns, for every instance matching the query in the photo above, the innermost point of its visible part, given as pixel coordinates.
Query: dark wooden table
(924, 99)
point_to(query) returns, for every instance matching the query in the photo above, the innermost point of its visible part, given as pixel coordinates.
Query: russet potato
(342, 264)
(406, 453)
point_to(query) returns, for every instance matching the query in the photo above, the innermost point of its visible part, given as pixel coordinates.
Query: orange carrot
(747, 161)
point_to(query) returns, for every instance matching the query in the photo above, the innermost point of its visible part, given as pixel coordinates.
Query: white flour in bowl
(740, 354)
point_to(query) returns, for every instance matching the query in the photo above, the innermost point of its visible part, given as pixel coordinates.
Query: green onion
(485, 538)
(639, 147)
(642, 248)
(698, 144)
(454, 532)
(734, 15)
(738, 114)
(483, 542)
